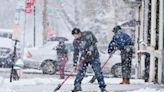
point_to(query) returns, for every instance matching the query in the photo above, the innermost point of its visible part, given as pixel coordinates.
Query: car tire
(116, 70)
(49, 67)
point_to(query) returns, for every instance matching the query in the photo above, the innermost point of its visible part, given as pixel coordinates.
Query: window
(157, 25)
(149, 24)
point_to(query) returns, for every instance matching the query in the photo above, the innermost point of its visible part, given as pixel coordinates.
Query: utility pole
(34, 27)
(45, 21)
(29, 4)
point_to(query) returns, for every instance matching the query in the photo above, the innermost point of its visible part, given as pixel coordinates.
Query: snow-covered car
(45, 58)
(6, 47)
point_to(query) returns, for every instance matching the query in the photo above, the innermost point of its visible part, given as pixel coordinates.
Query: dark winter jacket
(120, 41)
(87, 42)
(61, 51)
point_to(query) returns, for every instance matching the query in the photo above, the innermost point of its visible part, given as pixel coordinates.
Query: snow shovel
(74, 69)
(94, 78)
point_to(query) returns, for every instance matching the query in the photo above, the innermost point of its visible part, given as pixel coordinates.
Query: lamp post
(34, 27)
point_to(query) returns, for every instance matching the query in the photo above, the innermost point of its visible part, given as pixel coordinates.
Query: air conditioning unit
(133, 2)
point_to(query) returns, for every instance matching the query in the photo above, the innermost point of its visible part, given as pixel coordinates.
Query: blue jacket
(119, 41)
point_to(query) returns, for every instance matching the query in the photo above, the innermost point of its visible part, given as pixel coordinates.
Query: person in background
(146, 55)
(123, 42)
(18, 69)
(62, 57)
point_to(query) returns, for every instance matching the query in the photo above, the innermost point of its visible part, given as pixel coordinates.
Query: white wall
(7, 12)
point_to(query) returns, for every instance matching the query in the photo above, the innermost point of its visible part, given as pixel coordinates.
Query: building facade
(150, 38)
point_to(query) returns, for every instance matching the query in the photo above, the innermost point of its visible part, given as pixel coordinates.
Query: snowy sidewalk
(49, 84)
(86, 88)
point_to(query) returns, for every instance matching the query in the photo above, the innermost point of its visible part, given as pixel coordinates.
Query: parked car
(45, 58)
(6, 47)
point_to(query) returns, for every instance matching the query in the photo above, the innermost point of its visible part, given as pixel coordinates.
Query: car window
(5, 35)
(49, 45)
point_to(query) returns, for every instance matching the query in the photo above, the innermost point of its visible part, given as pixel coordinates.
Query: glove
(89, 53)
(74, 64)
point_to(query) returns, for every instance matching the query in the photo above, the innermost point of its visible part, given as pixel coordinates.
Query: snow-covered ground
(34, 81)
(148, 90)
(47, 84)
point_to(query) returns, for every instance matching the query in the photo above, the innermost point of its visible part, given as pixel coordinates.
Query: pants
(97, 70)
(147, 67)
(61, 67)
(126, 59)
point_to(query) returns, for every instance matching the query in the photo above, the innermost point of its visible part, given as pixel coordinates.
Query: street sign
(28, 10)
(29, 5)
(51, 10)
(20, 5)
(51, 31)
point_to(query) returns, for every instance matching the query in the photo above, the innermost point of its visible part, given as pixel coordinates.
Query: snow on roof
(7, 43)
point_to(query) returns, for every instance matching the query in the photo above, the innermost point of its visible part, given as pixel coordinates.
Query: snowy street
(34, 81)
(86, 87)
(47, 45)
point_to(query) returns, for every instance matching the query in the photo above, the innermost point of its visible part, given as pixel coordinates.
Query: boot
(123, 81)
(127, 81)
(61, 76)
(103, 90)
(77, 89)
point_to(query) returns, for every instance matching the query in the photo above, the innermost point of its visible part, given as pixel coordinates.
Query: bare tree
(71, 22)
(45, 21)
(76, 13)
